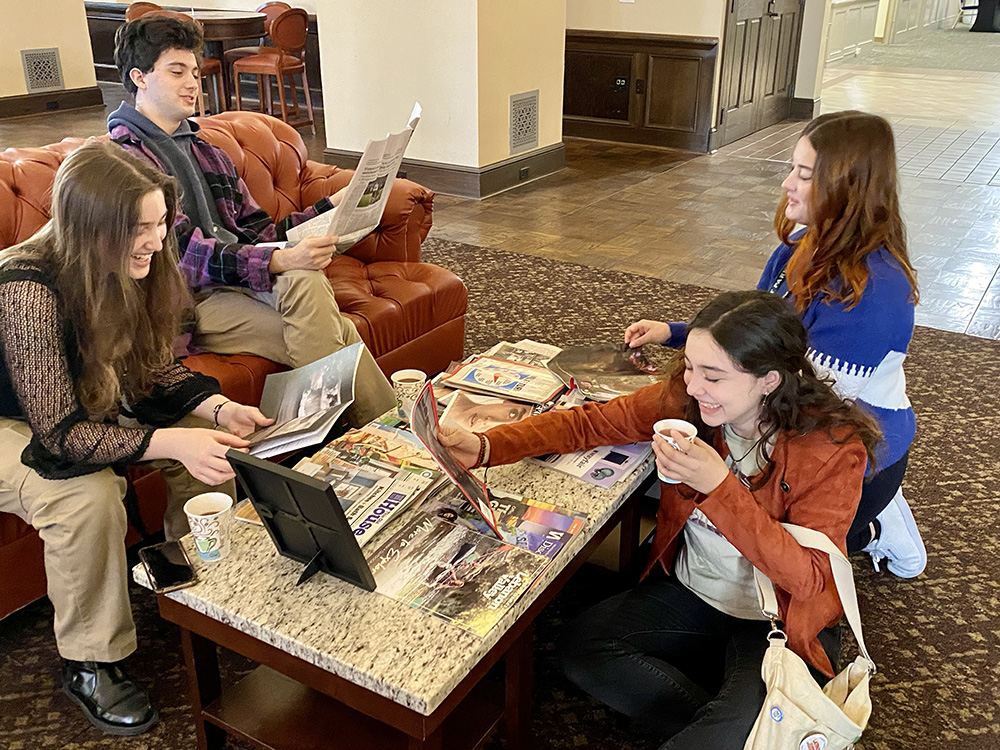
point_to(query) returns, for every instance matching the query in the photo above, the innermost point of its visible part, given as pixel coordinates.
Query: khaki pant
(82, 524)
(295, 324)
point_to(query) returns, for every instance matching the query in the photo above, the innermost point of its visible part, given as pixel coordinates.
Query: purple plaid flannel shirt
(205, 261)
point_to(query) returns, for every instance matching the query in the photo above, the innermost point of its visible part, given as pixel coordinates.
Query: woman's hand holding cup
(681, 456)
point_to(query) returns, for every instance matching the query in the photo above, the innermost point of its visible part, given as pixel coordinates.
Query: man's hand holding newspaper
(363, 201)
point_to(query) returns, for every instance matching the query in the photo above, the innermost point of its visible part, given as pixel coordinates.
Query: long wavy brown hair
(761, 332)
(124, 327)
(854, 210)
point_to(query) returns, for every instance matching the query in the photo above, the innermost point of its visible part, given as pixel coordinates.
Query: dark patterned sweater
(39, 365)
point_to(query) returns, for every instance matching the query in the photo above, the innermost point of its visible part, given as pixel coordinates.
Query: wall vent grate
(523, 121)
(42, 71)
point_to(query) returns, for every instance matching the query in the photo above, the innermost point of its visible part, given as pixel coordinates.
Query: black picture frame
(304, 519)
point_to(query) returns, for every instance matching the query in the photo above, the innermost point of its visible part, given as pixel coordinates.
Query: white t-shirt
(707, 563)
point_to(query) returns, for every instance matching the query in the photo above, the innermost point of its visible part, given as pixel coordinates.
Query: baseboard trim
(803, 109)
(50, 101)
(468, 182)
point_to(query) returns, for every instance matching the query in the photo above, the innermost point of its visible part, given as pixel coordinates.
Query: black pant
(661, 655)
(875, 496)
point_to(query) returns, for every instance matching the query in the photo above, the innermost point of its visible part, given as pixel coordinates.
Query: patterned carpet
(935, 638)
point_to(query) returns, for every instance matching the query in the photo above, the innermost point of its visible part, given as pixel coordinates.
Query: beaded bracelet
(482, 450)
(218, 408)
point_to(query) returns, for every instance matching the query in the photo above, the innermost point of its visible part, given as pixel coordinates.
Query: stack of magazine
(450, 548)
(377, 471)
(505, 384)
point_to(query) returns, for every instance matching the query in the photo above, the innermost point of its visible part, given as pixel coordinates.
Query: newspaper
(361, 207)
(525, 351)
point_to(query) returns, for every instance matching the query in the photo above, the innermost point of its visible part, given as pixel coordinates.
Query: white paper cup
(407, 384)
(209, 515)
(679, 425)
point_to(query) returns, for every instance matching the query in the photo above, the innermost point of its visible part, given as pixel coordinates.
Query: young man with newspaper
(253, 295)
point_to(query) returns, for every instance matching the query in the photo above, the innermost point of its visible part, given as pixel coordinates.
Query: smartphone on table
(167, 567)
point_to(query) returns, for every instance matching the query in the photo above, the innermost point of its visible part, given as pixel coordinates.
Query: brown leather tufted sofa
(409, 313)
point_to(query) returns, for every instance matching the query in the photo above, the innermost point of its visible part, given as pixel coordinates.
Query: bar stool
(288, 32)
(211, 68)
(271, 11)
(137, 10)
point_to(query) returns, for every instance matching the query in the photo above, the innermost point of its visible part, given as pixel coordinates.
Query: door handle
(770, 10)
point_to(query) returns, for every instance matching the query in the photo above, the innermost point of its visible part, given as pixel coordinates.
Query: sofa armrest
(405, 222)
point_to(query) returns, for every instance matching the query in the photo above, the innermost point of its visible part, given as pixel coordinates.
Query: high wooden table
(344, 668)
(226, 25)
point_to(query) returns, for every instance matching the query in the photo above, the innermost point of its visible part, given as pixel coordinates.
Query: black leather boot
(110, 700)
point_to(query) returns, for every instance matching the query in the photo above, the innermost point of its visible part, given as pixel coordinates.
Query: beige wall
(521, 48)
(812, 49)
(380, 56)
(880, 21)
(64, 27)
(684, 17)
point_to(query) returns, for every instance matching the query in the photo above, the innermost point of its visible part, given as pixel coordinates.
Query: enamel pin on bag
(797, 713)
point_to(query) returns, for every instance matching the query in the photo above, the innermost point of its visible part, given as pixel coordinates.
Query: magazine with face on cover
(305, 403)
(475, 412)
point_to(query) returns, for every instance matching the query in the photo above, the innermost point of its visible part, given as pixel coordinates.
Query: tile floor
(707, 219)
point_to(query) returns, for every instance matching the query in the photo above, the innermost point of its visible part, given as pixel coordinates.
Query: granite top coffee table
(341, 667)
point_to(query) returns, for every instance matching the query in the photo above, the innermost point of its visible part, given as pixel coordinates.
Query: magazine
(498, 377)
(361, 207)
(605, 371)
(599, 466)
(453, 572)
(424, 422)
(475, 412)
(530, 524)
(305, 403)
(377, 472)
(525, 351)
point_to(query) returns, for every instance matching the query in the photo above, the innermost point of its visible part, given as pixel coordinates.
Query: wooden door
(780, 29)
(758, 65)
(740, 52)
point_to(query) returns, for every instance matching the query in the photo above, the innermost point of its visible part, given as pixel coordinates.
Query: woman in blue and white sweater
(849, 277)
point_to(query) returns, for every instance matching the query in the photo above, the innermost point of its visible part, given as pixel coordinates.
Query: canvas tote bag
(797, 714)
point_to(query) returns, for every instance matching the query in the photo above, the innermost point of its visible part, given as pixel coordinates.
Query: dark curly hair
(761, 332)
(139, 43)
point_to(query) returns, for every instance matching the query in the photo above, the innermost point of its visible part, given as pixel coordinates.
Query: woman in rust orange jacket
(775, 445)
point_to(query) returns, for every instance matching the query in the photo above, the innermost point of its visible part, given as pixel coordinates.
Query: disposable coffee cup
(663, 428)
(209, 515)
(407, 384)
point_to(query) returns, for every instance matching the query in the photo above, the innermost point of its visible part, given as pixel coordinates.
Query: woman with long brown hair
(775, 445)
(89, 307)
(849, 277)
